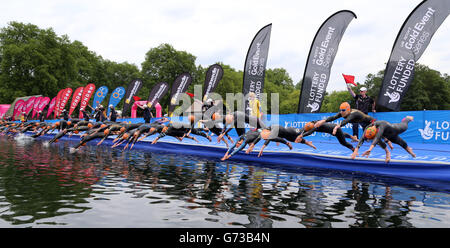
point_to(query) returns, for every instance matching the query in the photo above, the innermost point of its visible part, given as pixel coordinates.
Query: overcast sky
(221, 31)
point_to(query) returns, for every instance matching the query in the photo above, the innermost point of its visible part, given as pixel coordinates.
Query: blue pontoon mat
(432, 161)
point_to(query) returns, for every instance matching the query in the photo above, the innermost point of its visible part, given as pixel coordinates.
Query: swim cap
(229, 119)
(103, 126)
(165, 129)
(69, 122)
(265, 134)
(106, 132)
(308, 126)
(215, 116)
(344, 105)
(122, 129)
(191, 118)
(370, 132)
(90, 125)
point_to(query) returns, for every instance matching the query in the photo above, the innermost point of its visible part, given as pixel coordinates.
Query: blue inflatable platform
(432, 161)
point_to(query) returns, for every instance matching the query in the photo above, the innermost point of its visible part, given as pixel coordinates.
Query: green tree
(429, 90)
(37, 61)
(164, 64)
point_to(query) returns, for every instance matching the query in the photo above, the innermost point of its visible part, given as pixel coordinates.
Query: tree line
(35, 61)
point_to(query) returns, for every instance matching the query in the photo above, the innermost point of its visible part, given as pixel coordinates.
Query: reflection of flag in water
(349, 79)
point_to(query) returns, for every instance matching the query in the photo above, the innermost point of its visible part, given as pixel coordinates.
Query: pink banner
(42, 103)
(35, 105)
(58, 100)
(64, 99)
(87, 93)
(29, 104)
(76, 99)
(3, 109)
(18, 108)
(51, 107)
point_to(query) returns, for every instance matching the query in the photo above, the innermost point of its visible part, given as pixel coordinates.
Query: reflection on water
(48, 186)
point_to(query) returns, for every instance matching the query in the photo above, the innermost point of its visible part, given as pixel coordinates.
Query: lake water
(45, 185)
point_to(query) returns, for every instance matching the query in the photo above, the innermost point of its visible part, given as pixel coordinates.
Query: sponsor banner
(115, 97)
(87, 93)
(64, 99)
(213, 76)
(51, 106)
(43, 103)
(36, 104)
(411, 42)
(132, 89)
(76, 98)
(179, 86)
(58, 100)
(158, 91)
(320, 60)
(29, 105)
(99, 96)
(255, 64)
(18, 108)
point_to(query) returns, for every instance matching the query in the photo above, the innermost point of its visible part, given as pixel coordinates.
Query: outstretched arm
(349, 88)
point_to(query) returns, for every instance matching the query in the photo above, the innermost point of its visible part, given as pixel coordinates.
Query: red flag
(136, 98)
(190, 94)
(349, 79)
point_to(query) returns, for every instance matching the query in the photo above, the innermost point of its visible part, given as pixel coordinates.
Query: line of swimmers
(381, 132)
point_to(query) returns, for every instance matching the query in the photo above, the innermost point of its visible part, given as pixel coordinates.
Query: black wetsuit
(363, 104)
(65, 115)
(42, 116)
(147, 115)
(355, 116)
(86, 115)
(328, 127)
(179, 130)
(198, 131)
(214, 126)
(285, 133)
(389, 131)
(240, 118)
(250, 137)
(113, 115)
(89, 138)
(99, 115)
